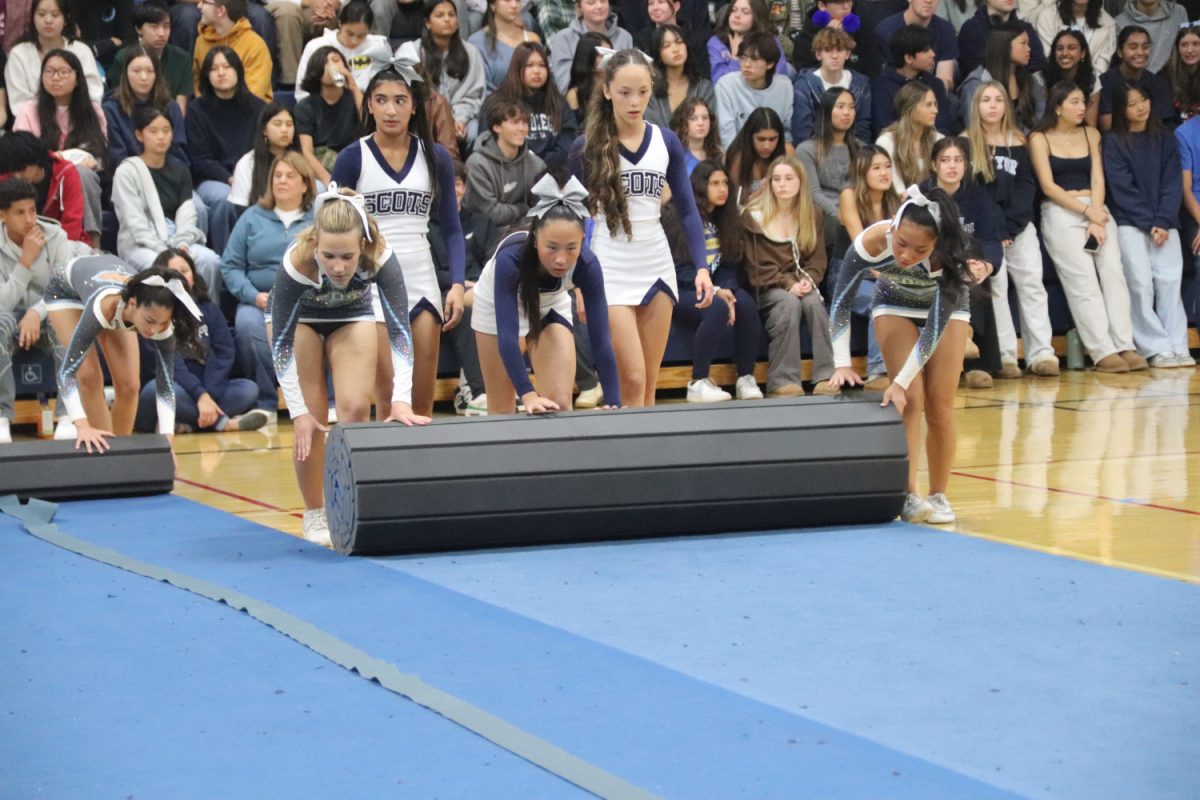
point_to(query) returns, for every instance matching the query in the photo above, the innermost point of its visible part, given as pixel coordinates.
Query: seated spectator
(554, 16)
(679, 75)
(51, 28)
(922, 13)
(185, 24)
(1097, 27)
(759, 143)
(1161, 19)
(1006, 60)
(1071, 60)
(363, 52)
(827, 157)
(503, 31)
(327, 118)
(692, 122)
(1130, 65)
(869, 198)
(585, 68)
(206, 397)
(1143, 172)
(501, 172)
(912, 50)
(30, 249)
(481, 236)
(1183, 73)
(253, 256)
(661, 13)
(296, 23)
(220, 130)
(834, 15)
(153, 24)
(223, 23)
(909, 141)
(64, 117)
(735, 23)
(552, 124)
(152, 197)
(955, 12)
(140, 83)
(59, 193)
(757, 85)
(732, 316)
(1187, 136)
(592, 16)
(274, 135)
(453, 68)
(972, 37)
(783, 255)
(833, 48)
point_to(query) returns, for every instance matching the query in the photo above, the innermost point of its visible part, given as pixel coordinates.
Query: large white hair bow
(176, 287)
(915, 197)
(550, 194)
(355, 200)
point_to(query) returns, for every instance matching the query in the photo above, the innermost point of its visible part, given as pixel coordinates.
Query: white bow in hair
(549, 194)
(176, 287)
(607, 53)
(406, 65)
(1183, 26)
(355, 200)
(915, 197)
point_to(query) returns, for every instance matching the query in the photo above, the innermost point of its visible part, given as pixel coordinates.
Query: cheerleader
(629, 164)
(525, 290)
(99, 300)
(322, 314)
(921, 312)
(403, 177)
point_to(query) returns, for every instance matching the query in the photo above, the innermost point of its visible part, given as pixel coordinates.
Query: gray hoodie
(497, 186)
(1163, 26)
(23, 288)
(563, 44)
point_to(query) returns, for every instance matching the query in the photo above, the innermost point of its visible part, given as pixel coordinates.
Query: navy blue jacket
(1144, 179)
(123, 143)
(218, 135)
(1014, 190)
(980, 220)
(883, 101)
(972, 42)
(807, 99)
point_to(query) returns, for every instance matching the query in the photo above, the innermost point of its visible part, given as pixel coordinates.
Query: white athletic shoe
(1184, 360)
(252, 420)
(705, 391)
(477, 406)
(916, 509)
(316, 527)
(65, 430)
(462, 397)
(942, 514)
(1164, 361)
(590, 398)
(747, 388)
(5, 432)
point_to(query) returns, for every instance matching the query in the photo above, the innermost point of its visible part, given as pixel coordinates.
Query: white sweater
(23, 75)
(364, 61)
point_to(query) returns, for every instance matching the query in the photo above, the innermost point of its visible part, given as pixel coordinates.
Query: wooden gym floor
(1096, 467)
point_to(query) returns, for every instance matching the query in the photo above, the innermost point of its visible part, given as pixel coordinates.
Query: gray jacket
(23, 288)
(563, 44)
(1163, 27)
(497, 186)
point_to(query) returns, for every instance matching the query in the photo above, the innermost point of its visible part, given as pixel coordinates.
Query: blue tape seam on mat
(36, 518)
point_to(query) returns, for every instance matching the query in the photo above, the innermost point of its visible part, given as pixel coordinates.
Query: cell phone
(1091, 245)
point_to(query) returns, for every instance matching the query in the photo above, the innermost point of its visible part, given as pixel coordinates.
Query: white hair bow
(406, 65)
(356, 201)
(549, 194)
(1185, 25)
(176, 287)
(607, 53)
(915, 197)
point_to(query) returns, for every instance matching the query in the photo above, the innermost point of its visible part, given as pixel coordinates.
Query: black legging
(712, 329)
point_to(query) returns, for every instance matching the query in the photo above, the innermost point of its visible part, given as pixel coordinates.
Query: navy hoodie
(1014, 190)
(980, 220)
(972, 42)
(219, 133)
(1144, 179)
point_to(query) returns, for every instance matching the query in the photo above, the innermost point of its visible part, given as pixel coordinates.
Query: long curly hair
(1084, 75)
(603, 165)
(680, 121)
(418, 123)
(952, 249)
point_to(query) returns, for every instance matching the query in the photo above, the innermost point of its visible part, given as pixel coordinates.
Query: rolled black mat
(668, 470)
(55, 470)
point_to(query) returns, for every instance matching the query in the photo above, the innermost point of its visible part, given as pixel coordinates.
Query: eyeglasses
(62, 72)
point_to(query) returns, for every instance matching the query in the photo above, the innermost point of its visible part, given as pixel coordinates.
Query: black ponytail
(187, 327)
(953, 246)
(529, 267)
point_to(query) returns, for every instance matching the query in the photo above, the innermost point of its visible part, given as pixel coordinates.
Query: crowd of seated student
(162, 115)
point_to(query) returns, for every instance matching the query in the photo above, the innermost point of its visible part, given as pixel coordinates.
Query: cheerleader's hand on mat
(536, 404)
(403, 413)
(845, 376)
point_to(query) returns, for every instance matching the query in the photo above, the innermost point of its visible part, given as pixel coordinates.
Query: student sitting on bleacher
(51, 27)
(59, 194)
(141, 83)
(223, 23)
(153, 25)
(274, 135)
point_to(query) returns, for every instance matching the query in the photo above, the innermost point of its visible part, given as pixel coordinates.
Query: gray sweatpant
(783, 313)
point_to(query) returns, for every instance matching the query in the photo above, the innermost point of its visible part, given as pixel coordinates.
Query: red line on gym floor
(1155, 506)
(243, 498)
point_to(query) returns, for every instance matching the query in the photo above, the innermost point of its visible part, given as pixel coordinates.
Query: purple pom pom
(851, 23)
(821, 18)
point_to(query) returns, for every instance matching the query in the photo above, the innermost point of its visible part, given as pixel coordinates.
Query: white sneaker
(942, 514)
(590, 398)
(65, 430)
(462, 398)
(477, 406)
(705, 391)
(316, 527)
(747, 388)
(1184, 360)
(252, 420)
(916, 509)
(1164, 361)
(5, 432)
